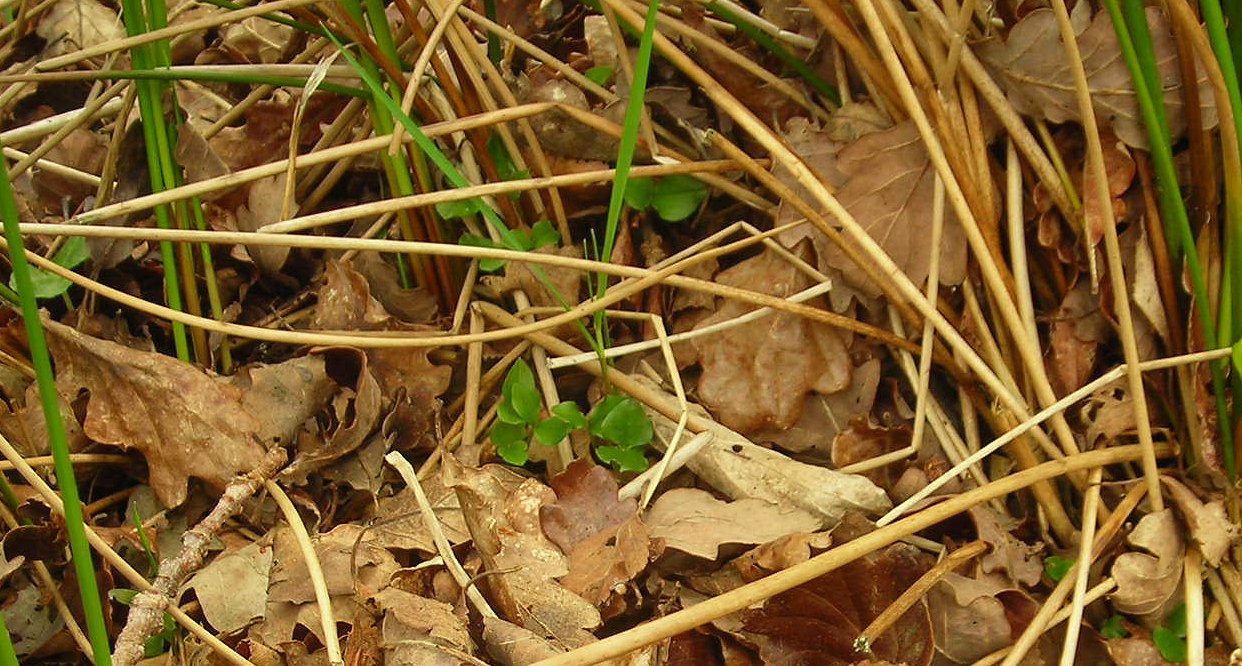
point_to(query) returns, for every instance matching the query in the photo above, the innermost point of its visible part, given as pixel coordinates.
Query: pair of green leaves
(618, 420)
(674, 198)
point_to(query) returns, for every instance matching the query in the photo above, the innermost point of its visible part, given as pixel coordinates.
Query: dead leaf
(816, 623)
(72, 26)
(263, 207)
(232, 589)
(586, 504)
(1031, 65)
(825, 416)
(694, 522)
(1020, 561)
(973, 617)
(1109, 414)
(414, 629)
(1209, 526)
(257, 39)
(863, 440)
(399, 523)
(185, 422)
(1147, 582)
(1075, 334)
(756, 375)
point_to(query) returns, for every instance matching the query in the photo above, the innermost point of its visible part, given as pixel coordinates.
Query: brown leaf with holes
(756, 375)
(694, 522)
(1032, 66)
(815, 624)
(185, 422)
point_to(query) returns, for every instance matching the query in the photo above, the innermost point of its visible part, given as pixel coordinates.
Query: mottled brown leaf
(1021, 561)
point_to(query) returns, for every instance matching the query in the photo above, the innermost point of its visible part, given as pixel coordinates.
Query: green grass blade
(83, 565)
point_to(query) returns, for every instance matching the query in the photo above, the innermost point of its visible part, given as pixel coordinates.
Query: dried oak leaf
(605, 541)
(70, 26)
(1020, 561)
(415, 629)
(1210, 528)
(693, 521)
(815, 624)
(756, 375)
(1147, 582)
(1032, 66)
(185, 422)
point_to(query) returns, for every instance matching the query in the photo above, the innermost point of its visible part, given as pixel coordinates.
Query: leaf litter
(489, 563)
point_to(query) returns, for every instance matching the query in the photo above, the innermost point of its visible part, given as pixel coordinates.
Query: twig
(146, 614)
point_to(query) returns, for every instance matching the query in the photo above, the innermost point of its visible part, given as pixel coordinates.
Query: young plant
(1056, 566)
(1170, 636)
(618, 421)
(71, 254)
(543, 234)
(674, 198)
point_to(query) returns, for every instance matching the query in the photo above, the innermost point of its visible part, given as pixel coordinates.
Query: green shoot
(600, 75)
(1170, 636)
(1056, 566)
(8, 656)
(75, 522)
(618, 422)
(674, 198)
(543, 234)
(72, 253)
(1114, 627)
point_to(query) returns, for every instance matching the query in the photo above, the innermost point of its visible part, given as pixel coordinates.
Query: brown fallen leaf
(263, 206)
(1209, 526)
(694, 522)
(416, 629)
(1031, 65)
(756, 375)
(815, 624)
(71, 26)
(232, 589)
(1020, 561)
(973, 617)
(1147, 582)
(185, 422)
(1075, 335)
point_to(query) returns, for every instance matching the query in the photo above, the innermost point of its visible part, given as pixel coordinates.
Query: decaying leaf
(1075, 335)
(756, 375)
(1019, 560)
(263, 206)
(1210, 528)
(415, 629)
(973, 617)
(71, 26)
(1147, 582)
(694, 522)
(817, 623)
(185, 422)
(1031, 64)
(740, 469)
(232, 589)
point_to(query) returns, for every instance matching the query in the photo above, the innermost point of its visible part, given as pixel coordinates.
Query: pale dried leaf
(1021, 561)
(968, 620)
(757, 375)
(264, 207)
(1033, 67)
(1209, 526)
(1147, 582)
(232, 589)
(694, 522)
(1075, 335)
(71, 26)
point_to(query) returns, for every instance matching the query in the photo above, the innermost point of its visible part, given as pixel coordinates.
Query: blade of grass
(83, 565)
(1180, 238)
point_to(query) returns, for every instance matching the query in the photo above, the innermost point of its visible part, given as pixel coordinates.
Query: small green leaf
(1171, 646)
(514, 453)
(519, 240)
(621, 420)
(623, 459)
(452, 210)
(1056, 566)
(570, 413)
(488, 265)
(599, 75)
(505, 167)
(552, 430)
(506, 414)
(122, 595)
(507, 433)
(678, 197)
(46, 285)
(520, 392)
(638, 193)
(1114, 627)
(1176, 621)
(543, 234)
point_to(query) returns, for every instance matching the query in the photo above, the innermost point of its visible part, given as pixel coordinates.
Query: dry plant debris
(855, 249)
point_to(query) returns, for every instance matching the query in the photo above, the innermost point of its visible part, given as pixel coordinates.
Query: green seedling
(1056, 566)
(1113, 627)
(601, 75)
(674, 198)
(47, 285)
(505, 166)
(1170, 637)
(543, 234)
(617, 420)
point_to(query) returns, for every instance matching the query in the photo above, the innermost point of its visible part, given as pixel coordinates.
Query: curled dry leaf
(973, 617)
(756, 375)
(740, 469)
(185, 422)
(816, 623)
(694, 522)
(414, 629)
(1210, 528)
(263, 206)
(1147, 582)
(1032, 67)
(1021, 561)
